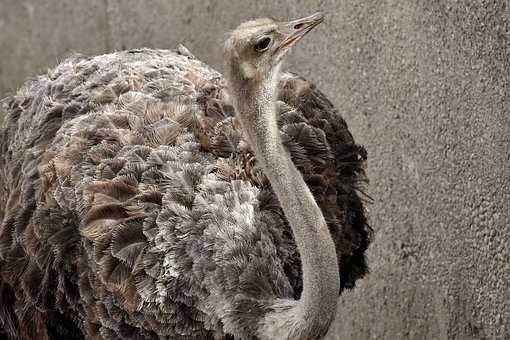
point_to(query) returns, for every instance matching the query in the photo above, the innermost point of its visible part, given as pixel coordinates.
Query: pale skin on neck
(254, 100)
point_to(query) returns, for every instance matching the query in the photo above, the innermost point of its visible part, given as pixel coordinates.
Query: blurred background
(424, 85)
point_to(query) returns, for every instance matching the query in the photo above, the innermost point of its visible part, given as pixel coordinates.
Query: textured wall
(423, 84)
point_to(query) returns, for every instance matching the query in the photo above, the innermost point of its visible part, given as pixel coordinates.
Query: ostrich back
(132, 207)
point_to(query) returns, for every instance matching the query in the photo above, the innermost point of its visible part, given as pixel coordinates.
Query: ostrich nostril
(298, 26)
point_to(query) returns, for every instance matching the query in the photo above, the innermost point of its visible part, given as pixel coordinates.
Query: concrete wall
(423, 84)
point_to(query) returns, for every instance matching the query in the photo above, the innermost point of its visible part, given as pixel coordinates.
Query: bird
(144, 195)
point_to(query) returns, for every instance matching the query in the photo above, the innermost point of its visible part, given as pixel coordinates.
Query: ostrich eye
(262, 44)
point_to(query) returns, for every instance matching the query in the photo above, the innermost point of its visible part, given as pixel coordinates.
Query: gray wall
(423, 84)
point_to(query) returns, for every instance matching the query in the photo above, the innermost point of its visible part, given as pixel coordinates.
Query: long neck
(311, 316)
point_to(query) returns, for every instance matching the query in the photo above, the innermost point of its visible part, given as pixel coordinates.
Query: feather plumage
(131, 205)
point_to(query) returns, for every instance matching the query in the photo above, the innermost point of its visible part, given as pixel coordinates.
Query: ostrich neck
(312, 314)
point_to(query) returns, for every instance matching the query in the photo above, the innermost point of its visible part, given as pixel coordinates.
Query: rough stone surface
(423, 84)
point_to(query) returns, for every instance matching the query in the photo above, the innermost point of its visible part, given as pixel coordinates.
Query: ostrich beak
(298, 28)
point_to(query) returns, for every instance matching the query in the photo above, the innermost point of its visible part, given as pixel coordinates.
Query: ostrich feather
(132, 207)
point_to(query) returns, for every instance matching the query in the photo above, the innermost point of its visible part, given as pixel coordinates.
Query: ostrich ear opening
(248, 71)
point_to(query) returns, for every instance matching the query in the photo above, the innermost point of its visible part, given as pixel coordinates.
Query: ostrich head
(253, 54)
(255, 49)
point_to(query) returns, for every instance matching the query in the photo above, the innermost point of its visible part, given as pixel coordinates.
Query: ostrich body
(142, 195)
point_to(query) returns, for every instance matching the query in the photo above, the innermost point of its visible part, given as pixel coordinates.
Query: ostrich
(144, 196)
